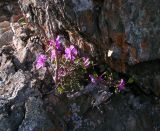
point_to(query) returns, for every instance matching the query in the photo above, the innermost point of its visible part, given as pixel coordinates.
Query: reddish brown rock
(129, 28)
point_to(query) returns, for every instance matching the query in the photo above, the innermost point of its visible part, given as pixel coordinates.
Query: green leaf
(130, 80)
(22, 21)
(60, 90)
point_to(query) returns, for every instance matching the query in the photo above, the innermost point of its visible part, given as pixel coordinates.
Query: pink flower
(121, 85)
(86, 61)
(71, 53)
(56, 43)
(41, 60)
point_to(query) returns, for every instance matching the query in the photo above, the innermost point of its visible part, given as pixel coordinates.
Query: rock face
(128, 28)
(9, 8)
(26, 103)
(9, 12)
(21, 105)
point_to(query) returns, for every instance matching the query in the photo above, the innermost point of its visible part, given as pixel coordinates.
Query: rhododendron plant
(71, 69)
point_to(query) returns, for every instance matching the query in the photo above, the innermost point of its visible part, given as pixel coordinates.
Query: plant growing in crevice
(68, 67)
(70, 70)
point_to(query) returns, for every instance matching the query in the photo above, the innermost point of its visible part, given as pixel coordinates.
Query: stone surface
(26, 103)
(21, 104)
(129, 111)
(9, 12)
(35, 116)
(6, 38)
(8, 8)
(120, 26)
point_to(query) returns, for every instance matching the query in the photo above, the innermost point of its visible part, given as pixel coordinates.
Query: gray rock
(7, 66)
(21, 105)
(35, 117)
(6, 38)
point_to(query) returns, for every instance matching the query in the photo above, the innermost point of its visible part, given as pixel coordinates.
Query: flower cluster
(69, 66)
(70, 53)
(67, 59)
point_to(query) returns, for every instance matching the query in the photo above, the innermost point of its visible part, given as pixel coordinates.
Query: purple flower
(41, 60)
(93, 79)
(71, 53)
(53, 54)
(86, 61)
(121, 85)
(51, 42)
(56, 43)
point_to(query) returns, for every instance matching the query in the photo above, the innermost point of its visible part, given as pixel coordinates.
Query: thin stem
(57, 66)
(51, 30)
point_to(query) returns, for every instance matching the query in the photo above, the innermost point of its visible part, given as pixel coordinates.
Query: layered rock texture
(129, 29)
(9, 12)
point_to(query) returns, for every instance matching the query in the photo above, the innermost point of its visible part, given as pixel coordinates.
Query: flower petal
(51, 42)
(92, 78)
(121, 85)
(53, 54)
(41, 60)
